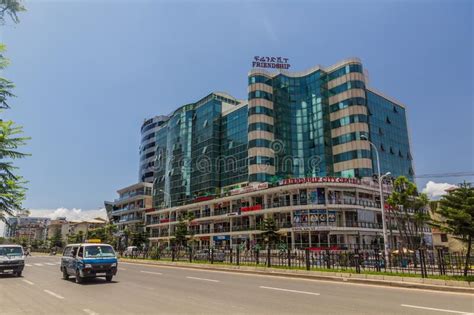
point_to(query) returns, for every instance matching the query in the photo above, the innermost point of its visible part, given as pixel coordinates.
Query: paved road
(141, 289)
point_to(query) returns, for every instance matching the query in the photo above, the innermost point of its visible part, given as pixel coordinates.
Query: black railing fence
(420, 262)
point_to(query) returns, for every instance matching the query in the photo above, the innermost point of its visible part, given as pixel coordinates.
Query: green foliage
(410, 212)
(10, 8)
(56, 240)
(270, 230)
(138, 236)
(456, 210)
(12, 191)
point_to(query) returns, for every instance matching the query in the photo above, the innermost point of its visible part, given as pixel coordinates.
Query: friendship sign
(270, 62)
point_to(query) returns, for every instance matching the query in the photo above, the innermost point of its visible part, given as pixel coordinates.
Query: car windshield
(11, 251)
(99, 251)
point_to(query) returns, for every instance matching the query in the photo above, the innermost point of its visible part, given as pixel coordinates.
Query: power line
(443, 175)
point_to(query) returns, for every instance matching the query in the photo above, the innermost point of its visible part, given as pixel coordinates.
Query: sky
(88, 73)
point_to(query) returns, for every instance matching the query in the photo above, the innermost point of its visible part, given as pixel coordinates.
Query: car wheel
(108, 278)
(78, 277)
(18, 273)
(65, 275)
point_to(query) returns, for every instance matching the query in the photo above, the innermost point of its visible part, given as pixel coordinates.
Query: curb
(441, 285)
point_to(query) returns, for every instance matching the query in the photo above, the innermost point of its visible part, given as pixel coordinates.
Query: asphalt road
(142, 289)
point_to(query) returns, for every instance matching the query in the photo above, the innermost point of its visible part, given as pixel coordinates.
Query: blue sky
(89, 72)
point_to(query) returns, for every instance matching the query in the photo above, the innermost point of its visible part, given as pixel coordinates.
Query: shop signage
(270, 62)
(248, 189)
(221, 238)
(251, 208)
(313, 217)
(292, 181)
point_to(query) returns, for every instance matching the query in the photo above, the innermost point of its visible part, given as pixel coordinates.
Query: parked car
(12, 259)
(131, 251)
(89, 261)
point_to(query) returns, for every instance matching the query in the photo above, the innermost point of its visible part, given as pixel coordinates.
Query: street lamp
(382, 207)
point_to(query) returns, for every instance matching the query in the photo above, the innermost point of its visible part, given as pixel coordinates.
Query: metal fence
(420, 262)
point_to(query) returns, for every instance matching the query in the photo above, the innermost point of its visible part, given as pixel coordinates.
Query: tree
(10, 8)
(270, 231)
(410, 212)
(180, 232)
(12, 191)
(138, 236)
(57, 239)
(457, 216)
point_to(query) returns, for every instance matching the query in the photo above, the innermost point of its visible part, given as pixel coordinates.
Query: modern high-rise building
(148, 147)
(295, 150)
(294, 125)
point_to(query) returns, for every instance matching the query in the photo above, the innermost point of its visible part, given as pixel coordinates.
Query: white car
(131, 251)
(12, 259)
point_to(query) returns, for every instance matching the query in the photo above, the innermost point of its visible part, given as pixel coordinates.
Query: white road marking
(203, 279)
(288, 290)
(28, 265)
(50, 264)
(435, 309)
(29, 282)
(298, 279)
(151, 272)
(54, 294)
(88, 311)
(39, 265)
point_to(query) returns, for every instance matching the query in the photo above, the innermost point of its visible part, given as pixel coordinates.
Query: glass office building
(293, 125)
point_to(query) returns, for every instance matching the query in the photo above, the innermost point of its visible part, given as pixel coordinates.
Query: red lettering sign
(251, 208)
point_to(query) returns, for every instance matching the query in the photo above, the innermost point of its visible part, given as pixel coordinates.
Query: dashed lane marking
(54, 294)
(28, 265)
(435, 309)
(88, 311)
(29, 282)
(39, 265)
(203, 279)
(288, 290)
(151, 272)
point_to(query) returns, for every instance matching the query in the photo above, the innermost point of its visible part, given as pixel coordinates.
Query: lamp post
(382, 207)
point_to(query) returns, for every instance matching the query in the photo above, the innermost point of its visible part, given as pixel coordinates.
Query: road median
(371, 279)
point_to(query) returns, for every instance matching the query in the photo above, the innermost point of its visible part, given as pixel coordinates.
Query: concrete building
(73, 227)
(30, 228)
(129, 208)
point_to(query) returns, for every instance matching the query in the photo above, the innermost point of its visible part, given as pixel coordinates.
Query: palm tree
(12, 191)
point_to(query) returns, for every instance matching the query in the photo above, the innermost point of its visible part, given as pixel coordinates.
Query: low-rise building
(30, 228)
(320, 212)
(129, 208)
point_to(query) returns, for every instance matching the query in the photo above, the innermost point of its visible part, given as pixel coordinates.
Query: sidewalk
(394, 281)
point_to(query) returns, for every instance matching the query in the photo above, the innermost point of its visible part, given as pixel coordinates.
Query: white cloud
(70, 214)
(436, 190)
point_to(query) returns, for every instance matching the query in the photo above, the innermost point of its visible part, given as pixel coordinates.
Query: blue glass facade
(191, 148)
(389, 132)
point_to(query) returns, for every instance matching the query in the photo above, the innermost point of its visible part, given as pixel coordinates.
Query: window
(380, 131)
(444, 237)
(395, 110)
(382, 148)
(391, 151)
(388, 121)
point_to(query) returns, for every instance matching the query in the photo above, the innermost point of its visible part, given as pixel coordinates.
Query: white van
(12, 259)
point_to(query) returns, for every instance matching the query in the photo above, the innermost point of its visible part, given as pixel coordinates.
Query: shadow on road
(93, 281)
(8, 276)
